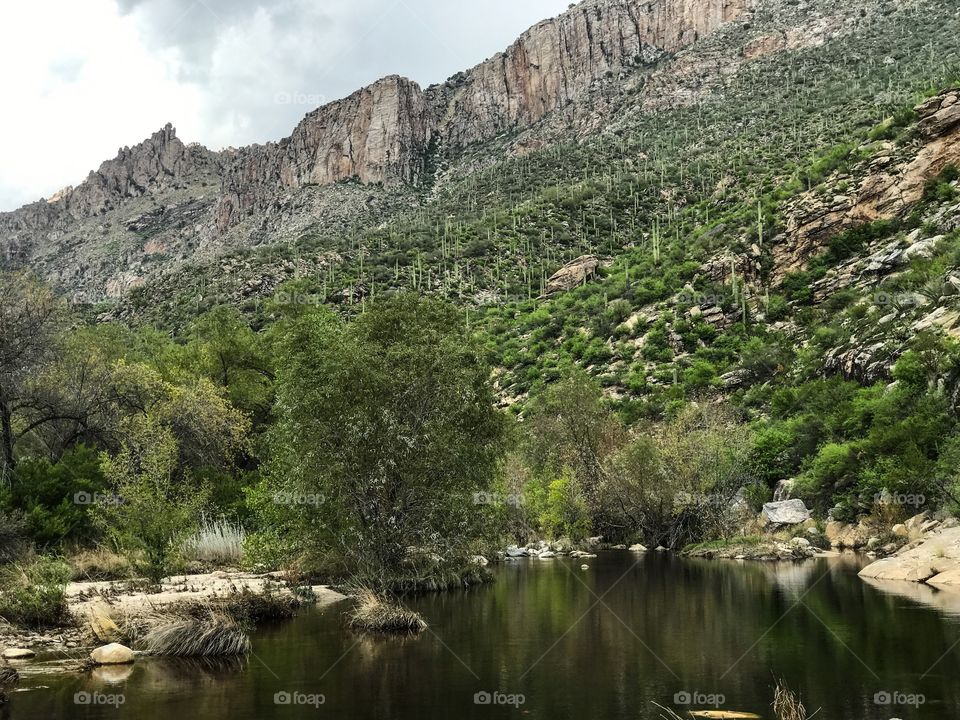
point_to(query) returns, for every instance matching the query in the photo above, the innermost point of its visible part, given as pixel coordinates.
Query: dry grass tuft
(99, 564)
(787, 705)
(217, 635)
(374, 614)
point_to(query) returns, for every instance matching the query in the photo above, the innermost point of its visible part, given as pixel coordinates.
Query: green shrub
(34, 594)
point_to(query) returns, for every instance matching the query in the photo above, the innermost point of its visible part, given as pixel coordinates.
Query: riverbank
(93, 606)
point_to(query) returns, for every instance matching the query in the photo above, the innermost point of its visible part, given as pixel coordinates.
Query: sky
(81, 78)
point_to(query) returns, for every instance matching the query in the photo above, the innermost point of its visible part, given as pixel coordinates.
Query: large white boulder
(112, 654)
(785, 512)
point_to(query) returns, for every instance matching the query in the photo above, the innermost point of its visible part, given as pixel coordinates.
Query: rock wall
(560, 59)
(382, 133)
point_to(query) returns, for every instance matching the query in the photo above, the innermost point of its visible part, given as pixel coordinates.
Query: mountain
(637, 187)
(164, 200)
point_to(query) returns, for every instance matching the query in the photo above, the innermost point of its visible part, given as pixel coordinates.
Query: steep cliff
(379, 133)
(382, 132)
(557, 61)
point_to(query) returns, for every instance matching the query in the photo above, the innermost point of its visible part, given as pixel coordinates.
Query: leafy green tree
(386, 428)
(30, 319)
(153, 510)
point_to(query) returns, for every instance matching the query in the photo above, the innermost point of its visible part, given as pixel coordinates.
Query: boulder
(785, 512)
(637, 548)
(18, 654)
(103, 629)
(480, 560)
(515, 552)
(574, 273)
(112, 654)
(547, 554)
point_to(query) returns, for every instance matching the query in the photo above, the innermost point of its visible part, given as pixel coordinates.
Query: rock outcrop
(574, 273)
(379, 133)
(934, 561)
(558, 60)
(885, 187)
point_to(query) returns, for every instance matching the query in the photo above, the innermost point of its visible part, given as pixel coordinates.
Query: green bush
(34, 594)
(47, 494)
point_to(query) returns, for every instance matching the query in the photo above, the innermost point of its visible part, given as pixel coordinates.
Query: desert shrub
(34, 594)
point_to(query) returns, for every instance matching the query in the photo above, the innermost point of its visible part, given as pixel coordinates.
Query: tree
(386, 429)
(153, 511)
(29, 323)
(570, 427)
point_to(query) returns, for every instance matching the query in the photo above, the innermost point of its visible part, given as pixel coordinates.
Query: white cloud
(81, 79)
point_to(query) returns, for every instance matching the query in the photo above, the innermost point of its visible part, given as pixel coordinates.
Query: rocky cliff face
(382, 133)
(559, 60)
(160, 163)
(379, 133)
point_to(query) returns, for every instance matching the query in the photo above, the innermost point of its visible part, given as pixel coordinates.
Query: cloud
(90, 77)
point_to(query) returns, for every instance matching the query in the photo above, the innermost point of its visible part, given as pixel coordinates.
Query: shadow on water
(606, 642)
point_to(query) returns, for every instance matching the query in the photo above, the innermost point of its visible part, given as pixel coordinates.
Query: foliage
(386, 429)
(34, 593)
(56, 497)
(152, 512)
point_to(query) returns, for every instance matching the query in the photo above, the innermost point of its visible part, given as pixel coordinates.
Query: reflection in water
(662, 627)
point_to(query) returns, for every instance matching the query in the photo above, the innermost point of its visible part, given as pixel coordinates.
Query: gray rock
(786, 512)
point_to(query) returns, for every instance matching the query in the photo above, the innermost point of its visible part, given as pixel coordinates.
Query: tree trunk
(7, 462)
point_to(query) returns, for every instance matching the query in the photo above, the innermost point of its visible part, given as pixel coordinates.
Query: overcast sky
(81, 78)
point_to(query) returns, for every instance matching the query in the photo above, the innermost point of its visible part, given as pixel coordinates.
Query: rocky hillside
(163, 202)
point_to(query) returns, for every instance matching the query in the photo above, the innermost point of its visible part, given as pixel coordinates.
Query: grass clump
(35, 594)
(787, 705)
(374, 614)
(216, 635)
(99, 564)
(217, 542)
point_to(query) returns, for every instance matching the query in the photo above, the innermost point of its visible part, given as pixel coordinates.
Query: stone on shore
(785, 512)
(18, 654)
(112, 654)
(934, 561)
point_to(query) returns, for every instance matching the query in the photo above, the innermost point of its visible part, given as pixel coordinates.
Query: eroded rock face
(558, 60)
(887, 187)
(378, 134)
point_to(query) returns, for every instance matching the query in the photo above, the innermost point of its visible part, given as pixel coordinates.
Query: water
(607, 643)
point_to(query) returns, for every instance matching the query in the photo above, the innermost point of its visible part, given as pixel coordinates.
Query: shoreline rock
(934, 560)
